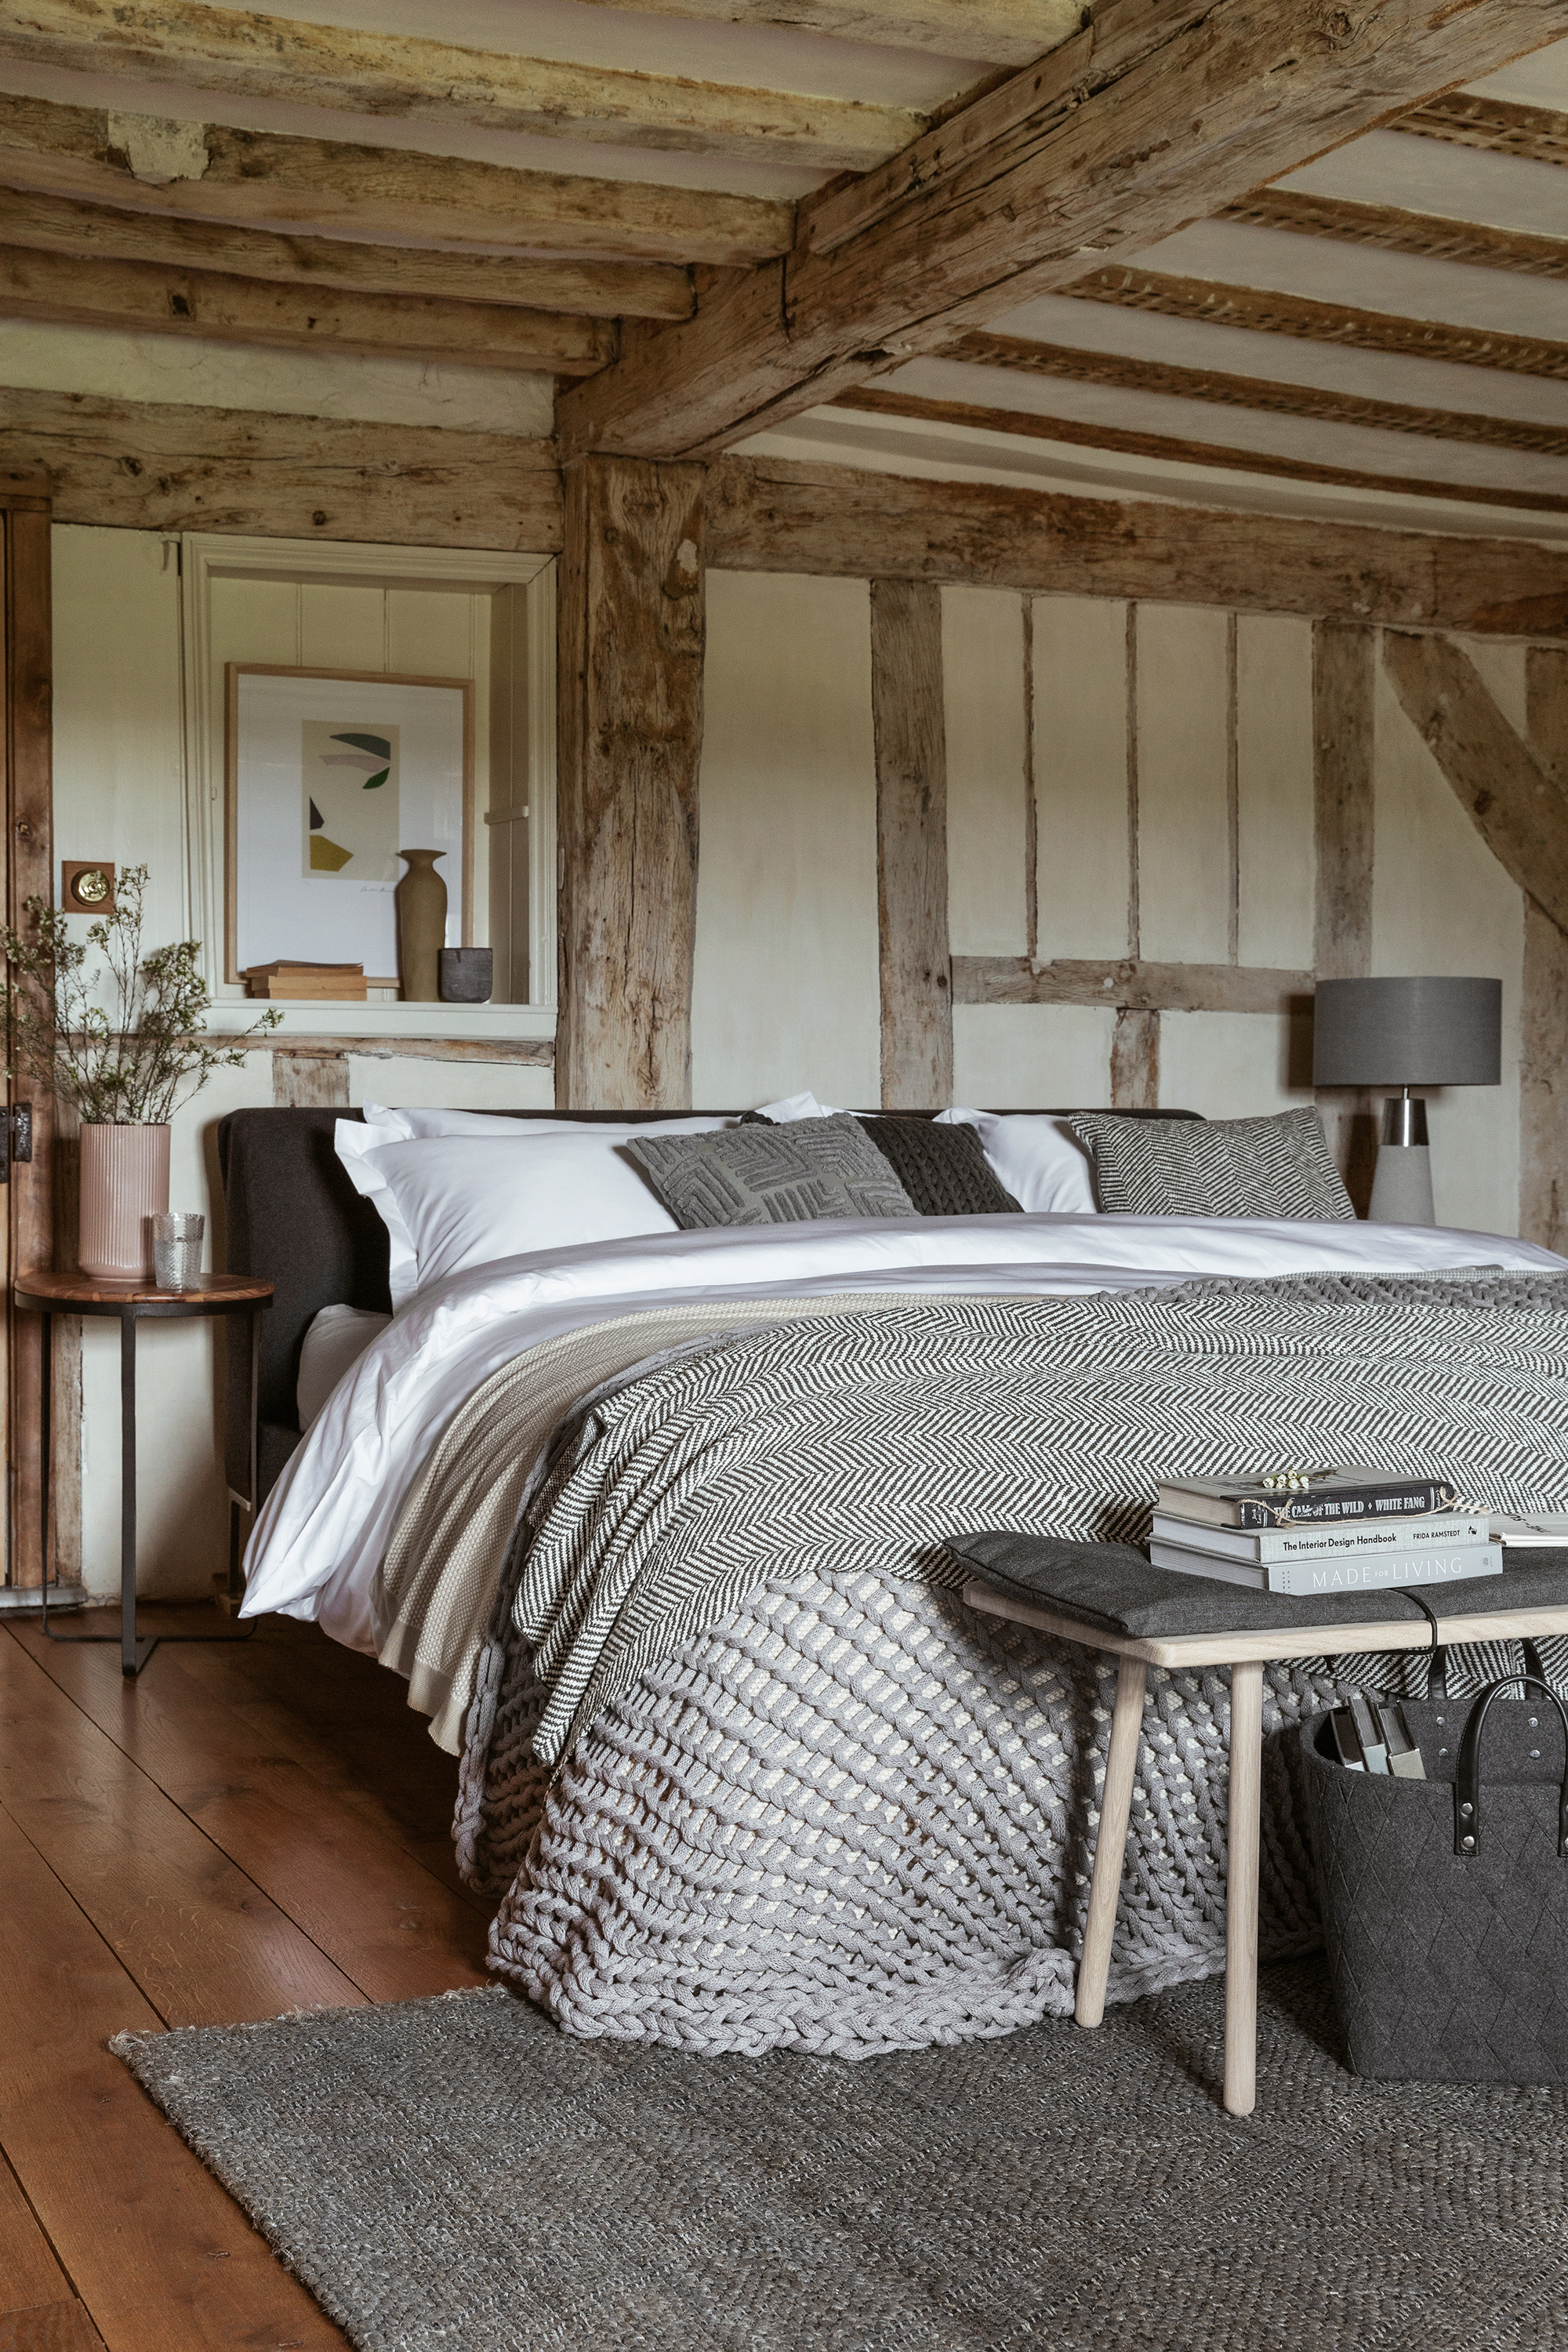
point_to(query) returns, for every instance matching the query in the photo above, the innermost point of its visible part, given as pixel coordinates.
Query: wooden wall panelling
(1343, 658)
(1083, 746)
(1135, 1062)
(1543, 1058)
(1183, 770)
(29, 872)
(985, 697)
(631, 648)
(778, 515)
(1129, 985)
(910, 735)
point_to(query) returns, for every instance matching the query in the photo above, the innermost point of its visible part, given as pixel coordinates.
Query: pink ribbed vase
(124, 1182)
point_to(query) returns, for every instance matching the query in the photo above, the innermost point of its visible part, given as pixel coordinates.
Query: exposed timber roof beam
(260, 180)
(1392, 230)
(1181, 450)
(1322, 322)
(592, 290)
(276, 57)
(1153, 118)
(1002, 32)
(1538, 134)
(140, 298)
(1118, 373)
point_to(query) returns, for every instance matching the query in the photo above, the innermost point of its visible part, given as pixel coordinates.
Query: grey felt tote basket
(1444, 1901)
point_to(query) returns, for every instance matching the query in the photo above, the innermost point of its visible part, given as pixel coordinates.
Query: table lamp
(1427, 1032)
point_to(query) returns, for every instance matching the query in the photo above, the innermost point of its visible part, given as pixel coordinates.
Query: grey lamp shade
(1428, 1032)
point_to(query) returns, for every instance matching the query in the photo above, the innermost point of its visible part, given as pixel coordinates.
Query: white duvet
(327, 1524)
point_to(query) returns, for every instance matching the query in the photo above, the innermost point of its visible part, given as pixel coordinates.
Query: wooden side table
(1246, 1654)
(50, 1294)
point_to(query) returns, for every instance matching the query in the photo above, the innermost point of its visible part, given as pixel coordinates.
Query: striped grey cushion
(763, 1175)
(1276, 1167)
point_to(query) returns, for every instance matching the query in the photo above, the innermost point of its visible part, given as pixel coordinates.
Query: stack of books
(1371, 1735)
(341, 982)
(1351, 1530)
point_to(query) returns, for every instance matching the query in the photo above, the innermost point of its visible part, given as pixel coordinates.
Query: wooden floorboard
(161, 2256)
(242, 1831)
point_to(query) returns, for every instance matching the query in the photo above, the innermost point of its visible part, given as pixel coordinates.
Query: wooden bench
(1246, 1654)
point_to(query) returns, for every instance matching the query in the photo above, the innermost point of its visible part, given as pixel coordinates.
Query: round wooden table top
(215, 1294)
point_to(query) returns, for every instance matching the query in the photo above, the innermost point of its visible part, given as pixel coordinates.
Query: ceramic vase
(421, 897)
(124, 1185)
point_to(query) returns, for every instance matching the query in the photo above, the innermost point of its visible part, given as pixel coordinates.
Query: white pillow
(337, 1337)
(795, 1107)
(449, 1203)
(1040, 1160)
(416, 1121)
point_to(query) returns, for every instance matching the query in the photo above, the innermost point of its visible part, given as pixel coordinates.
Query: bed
(653, 1528)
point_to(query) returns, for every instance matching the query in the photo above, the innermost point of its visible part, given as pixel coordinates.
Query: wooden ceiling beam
(1183, 449)
(1175, 110)
(767, 514)
(146, 466)
(1391, 230)
(1538, 133)
(1115, 371)
(142, 299)
(592, 290)
(261, 180)
(416, 80)
(1321, 322)
(1002, 32)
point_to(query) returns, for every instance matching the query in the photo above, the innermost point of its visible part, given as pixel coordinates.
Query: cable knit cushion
(1276, 1167)
(764, 1175)
(943, 1169)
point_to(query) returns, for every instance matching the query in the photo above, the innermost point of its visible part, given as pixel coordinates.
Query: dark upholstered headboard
(293, 1216)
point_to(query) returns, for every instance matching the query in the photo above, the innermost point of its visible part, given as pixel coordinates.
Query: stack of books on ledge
(1352, 1530)
(342, 982)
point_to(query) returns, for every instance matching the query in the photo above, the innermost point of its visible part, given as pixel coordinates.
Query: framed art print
(329, 774)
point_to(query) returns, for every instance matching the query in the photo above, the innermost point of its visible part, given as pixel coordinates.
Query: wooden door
(28, 866)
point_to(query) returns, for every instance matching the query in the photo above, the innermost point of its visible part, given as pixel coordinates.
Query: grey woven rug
(457, 2174)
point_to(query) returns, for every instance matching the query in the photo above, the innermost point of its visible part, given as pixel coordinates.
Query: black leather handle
(1468, 1777)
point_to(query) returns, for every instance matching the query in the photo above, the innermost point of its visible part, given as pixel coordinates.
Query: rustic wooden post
(1543, 1056)
(910, 728)
(1135, 1061)
(631, 643)
(1343, 675)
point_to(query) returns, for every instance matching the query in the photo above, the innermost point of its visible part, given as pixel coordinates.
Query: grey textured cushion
(943, 1169)
(764, 1175)
(1109, 1588)
(1277, 1167)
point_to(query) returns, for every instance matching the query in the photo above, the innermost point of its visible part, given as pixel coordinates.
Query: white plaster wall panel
(987, 770)
(401, 1081)
(1277, 854)
(181, 1496)
(119, 767)
(1081, 775)
(1235, 1064)
(1032, 1056)
(342, 626)
(1183, 752)
(785, 992)
(1503, 667)
(1441, 903)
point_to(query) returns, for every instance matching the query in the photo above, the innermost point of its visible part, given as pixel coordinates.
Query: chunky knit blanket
(746, 1771)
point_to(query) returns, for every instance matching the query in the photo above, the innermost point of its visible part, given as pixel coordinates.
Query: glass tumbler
(177, 1252)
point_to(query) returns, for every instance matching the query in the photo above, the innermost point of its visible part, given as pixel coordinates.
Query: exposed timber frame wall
(29, 861)
(630, 705)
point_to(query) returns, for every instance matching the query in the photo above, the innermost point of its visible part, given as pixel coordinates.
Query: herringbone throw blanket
(805, 1796)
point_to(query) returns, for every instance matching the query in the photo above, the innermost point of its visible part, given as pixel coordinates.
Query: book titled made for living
(1349, 1572)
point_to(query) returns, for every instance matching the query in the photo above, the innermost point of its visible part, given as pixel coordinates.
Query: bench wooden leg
(1241, 1890)
(1110, 1845)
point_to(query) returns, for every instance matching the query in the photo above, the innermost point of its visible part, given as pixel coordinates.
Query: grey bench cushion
(1109, 1588)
